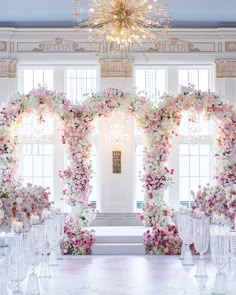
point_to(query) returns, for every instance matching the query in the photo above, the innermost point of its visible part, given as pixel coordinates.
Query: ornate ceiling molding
(58, 45)
(111, 68)
(3, 45)
(226, 69)
(8, 68)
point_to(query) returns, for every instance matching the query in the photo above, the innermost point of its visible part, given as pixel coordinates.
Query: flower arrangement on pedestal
(163, 240)
(17, 202)
(216, 200)
(76, 241)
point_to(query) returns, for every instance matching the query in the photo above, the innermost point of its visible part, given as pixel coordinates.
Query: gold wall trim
(8, 68)
(116, 68)
(226, 69)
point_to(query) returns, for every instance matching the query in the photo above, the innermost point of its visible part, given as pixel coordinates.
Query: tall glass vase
(18, 265)
(36, 239)
(201, 242)
(4, 264)
(180, 230)
(187, 236)
(219, 242)
(46, 248)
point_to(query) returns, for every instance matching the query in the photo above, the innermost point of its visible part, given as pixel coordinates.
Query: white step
(118, 248)
(109, 239)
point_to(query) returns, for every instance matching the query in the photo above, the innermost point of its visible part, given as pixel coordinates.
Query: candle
(17, 226)
(34, 219)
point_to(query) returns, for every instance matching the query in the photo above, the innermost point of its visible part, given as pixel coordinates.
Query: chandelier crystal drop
(123, 23)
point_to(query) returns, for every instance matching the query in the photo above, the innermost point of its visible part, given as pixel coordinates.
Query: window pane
(204, 149)
(193, 78)
(194, 166)
(204, 80)
(79, 82)
(35, 76)
(184, 166)
(183, 78)
(204, 166)
(194, 149)
(184, 149)
(37, 159)
(27, 165)
(194, 183)
(184, 188)
(38, 166)
(48, 166)
(152, 81)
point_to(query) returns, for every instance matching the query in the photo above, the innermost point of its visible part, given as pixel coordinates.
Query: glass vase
(201, 242)
(219, 242)
(36, 239)
(187, 236)
(4, 264)
(179, 227)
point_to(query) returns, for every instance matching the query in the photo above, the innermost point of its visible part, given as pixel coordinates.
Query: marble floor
(129, 275)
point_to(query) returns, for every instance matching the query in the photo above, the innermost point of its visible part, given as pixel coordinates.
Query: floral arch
(38, 101)
(102, 104)
(212, 106)
(17, 201)
(158, 123)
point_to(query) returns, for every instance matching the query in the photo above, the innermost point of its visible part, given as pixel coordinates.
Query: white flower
(19, 200)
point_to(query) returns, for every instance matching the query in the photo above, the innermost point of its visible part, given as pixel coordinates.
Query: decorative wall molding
(8, 68)
(226, 69)
(198, 44)
(176, 45)
(230, 46)
(116, 68)
(3, 45)
(58, 45)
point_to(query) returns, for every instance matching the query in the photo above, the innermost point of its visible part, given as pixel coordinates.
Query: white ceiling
(59, 13)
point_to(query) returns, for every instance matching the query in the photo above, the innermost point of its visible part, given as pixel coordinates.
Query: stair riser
(118, 239)
(118, 250)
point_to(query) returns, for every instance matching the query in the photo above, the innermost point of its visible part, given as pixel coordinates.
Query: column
(8, 78)
(116, 140)
(226, 79)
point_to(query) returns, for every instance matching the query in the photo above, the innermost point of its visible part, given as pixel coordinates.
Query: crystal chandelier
(123, 23)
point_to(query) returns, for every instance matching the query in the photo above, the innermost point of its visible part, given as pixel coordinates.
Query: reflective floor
(130, 275)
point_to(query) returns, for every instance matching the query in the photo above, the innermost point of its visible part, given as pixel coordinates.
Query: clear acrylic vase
(220, 286)
(183, 248)
(201, 268)
(188, 258)
(33, 284)
(44, 268)
(53, 257)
